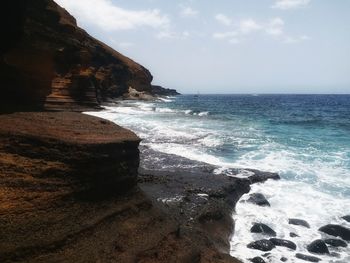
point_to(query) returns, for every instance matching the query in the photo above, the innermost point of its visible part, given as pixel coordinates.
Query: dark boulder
(263, 245)
(258, 199)
(260, 177)
(307, 258)
(298, 222)
(318, 246)
(291, 234)
(257, 260)
(263, 229)
(346, 218)
(284, 259)
(337, 231)
(334, 242)
(161, 91)
(283, 243)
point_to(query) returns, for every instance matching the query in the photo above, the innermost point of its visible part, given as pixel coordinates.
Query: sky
(228, 46)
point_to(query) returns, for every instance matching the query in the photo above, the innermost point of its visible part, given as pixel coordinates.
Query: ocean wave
(165, 110)
(165, 99)
(204, 113)
(315, 176)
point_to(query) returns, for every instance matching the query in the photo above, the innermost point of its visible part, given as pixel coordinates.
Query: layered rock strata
(48, 62)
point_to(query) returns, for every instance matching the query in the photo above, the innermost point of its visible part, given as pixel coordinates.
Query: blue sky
(228, 46)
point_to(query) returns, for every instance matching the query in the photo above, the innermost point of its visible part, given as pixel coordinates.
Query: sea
(303, 138)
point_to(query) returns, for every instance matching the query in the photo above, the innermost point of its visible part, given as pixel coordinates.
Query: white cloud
(230, 36)
(275, 27)
(167, 34)
(296, 40)
(247, 26)
(223, 19)
(187, 11)
(109, 17)
(224, 35)
(290, 4)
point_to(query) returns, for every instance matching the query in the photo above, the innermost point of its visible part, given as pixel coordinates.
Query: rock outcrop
(68, 194)
(48, 62)
(159, 90)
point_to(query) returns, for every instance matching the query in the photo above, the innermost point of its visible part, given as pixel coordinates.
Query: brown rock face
(92, 154)
(68, 194)
(48, 62)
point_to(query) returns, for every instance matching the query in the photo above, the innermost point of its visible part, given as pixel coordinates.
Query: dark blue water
(305, 138)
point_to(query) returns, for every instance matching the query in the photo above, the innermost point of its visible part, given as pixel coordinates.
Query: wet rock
(307, 258)
(337, 231)
(283, 259)
(318, 246)
(335, 254)
(260, 177)
(263, 245)
(263, 229)
(346, 218)
(258, 199)
(298, 222)
(257, 260)
(291, 234)
(334, 242)
(283, 243)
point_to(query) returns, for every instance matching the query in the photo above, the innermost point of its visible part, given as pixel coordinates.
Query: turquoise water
(312, 130)
(305, 138)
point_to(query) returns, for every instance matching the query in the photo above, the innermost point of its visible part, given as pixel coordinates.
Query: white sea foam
(288, 200)
(165, 99)
(165, 110)
(312, 188)
(204, 113)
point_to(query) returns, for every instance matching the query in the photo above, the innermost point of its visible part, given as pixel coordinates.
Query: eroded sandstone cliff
(48, 62)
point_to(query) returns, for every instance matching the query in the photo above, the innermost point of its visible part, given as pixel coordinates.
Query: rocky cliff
(48, 62)
(69, 194)
(69, 184)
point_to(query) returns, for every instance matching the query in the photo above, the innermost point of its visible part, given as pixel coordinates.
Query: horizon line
(264, 93)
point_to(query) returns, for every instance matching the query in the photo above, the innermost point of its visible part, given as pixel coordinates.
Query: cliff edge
(49, 63)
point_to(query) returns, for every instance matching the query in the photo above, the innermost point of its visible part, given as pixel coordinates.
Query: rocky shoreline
(74, 187)
(71, 192)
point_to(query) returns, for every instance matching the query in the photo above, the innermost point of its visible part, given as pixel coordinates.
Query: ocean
(304, 138)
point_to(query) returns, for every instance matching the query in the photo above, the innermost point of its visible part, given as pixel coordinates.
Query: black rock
(337, 231)
(298, 222)
(318, 246)
(283, 259)
(258, 199)
(263, 229)
(257, 260)
(335, 254)
(334, 242)
(263, 245)
(260, 177)
(346, 218)
(307, 258)
(283, 243)
(291, 234)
